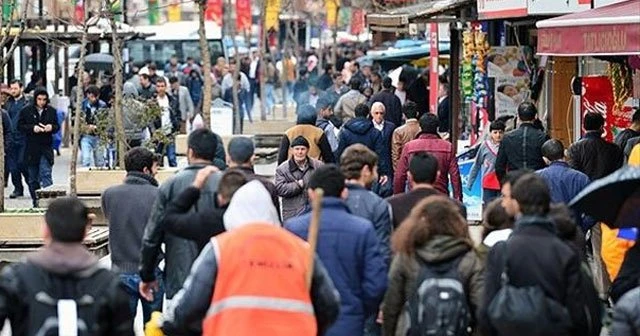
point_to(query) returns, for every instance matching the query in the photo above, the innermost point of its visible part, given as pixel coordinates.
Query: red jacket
(447, 164)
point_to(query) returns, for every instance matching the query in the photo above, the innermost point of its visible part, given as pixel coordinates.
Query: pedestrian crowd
(393, 253)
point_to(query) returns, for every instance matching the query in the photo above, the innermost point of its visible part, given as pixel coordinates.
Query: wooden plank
(20, 226)
(181, 144)
(95, 181)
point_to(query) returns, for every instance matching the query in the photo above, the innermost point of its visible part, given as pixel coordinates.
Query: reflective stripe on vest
(260, 302)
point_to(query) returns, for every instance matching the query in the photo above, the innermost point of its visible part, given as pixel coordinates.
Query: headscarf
(250, 204)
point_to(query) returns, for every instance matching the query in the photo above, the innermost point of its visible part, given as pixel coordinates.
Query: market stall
(606, 43)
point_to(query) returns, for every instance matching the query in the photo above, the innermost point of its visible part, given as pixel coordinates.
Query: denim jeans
(489, 195)
(17, 166)
(39, 176)
(170, 152)
(270, 99)
(92, 151)
(131, 281)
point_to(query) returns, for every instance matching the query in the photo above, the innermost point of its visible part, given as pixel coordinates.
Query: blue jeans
(17, 166)
(39, 176)
(131, 281)
(170, 152)
(92, 151)
(489, 195)
(270, 99)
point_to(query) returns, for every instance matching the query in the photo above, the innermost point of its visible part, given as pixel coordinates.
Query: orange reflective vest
(260, 287)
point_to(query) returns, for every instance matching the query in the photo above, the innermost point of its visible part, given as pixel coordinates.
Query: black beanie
(300, 141)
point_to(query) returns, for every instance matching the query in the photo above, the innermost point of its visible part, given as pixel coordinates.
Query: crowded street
(334, 168)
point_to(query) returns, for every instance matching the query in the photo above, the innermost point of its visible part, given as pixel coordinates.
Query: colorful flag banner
(153, 13)
(357, 21)
(7, 9)
(272, 14)
(174, 12)
(243, 16)
(332, 12)
(214, 11)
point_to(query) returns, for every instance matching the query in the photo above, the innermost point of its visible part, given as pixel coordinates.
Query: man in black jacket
(391, 102)
(180, 253)
(535, 256)
(168, 122)
(31, 291)
(7, 141)
(127, 208)
(522, 148)
(39, 122)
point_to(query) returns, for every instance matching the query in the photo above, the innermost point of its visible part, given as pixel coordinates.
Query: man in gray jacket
(180, 253)
(127, 208)
(185, 104)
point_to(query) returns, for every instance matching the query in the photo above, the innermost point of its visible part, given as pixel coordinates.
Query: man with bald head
(386, 129)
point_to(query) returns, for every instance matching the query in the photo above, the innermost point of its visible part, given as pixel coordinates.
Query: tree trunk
(2, 162)
(121, 144)
(262, 69)
(237, 129)
(206, 67)
(78, 108)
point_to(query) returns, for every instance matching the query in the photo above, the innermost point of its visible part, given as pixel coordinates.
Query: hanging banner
(214, 11)
(243, 16)
(497, 9)
(271, 16)
(331, 6)
(7, 9)
(433, 74)
(78, 11)
(154, 13)
(511, 70)
(357, 21)
(597, 96)
(174, 12)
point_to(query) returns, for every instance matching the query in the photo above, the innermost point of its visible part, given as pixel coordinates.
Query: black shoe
(15, 195)
(35, 204)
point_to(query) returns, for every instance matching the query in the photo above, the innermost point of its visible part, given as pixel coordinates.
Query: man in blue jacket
(16, 158)
(349, 249)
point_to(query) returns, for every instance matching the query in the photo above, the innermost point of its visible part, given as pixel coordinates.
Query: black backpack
(438, 305)
(44, 290)
(525, 311)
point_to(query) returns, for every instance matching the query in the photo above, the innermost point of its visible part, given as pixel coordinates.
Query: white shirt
(379, 127)
(253, 68)
(166, 114)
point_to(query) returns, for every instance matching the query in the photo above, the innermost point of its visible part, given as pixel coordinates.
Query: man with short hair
(404, 133)
(16, 158)
(185, 104)
(127, 208)
(521, 148)
(168, 122)
(241, 155)
(386, 129)
(64, 276)
(355, 261)
(39, 121)
(146, 90)
(535, 257)
(93, 151)
(444, 109)
(564, 182)
(179, 253)
(346, 106)
(391, 102)
(429, 141)
(633, 131)
(359, 165)
(325, 81)
(324, 108)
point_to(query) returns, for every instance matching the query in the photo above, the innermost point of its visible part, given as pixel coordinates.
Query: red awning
(608, 30)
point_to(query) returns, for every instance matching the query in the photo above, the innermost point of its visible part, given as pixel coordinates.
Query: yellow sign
(271, 15)
(332, 12)
(174, 12)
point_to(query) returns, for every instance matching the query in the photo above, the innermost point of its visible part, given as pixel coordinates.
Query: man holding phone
(38, 121)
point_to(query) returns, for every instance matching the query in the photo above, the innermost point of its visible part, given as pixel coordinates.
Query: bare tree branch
(16, 38)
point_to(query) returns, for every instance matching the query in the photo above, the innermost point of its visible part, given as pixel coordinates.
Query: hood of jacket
(497, 236)
(306, 115)
(359, 125)
(129, 90)
(64, 258)
(250, 204)
(442, 248)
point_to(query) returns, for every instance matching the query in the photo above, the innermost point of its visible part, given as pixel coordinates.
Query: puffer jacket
(595, 156)
(626, 315)
(404, 272)
(366, 204)
(179, 253)
(294, 197)
(360, 130)
(521, 149)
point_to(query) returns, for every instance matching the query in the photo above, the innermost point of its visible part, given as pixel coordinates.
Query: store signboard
(549, 7)
(498, 9)
(511, 68)
(597, 96)
(601, 3)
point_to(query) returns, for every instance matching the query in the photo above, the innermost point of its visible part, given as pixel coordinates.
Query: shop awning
(398, 19)
(608, 30)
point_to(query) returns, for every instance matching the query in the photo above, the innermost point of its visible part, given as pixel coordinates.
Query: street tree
(118, 73)
(205, 55)
(9, 42)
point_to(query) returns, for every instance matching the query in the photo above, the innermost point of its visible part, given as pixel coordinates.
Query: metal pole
(454, 91)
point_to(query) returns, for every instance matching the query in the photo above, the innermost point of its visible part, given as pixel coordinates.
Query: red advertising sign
(433, 73)
(357, 21)
(214, 11)
(597, 96)
(243, 16)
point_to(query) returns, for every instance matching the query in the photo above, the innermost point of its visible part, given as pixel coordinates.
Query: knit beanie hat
(300, 141)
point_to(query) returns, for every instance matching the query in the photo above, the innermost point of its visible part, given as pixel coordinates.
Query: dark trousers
(39, 177)
(489, 195)
(17, 167)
